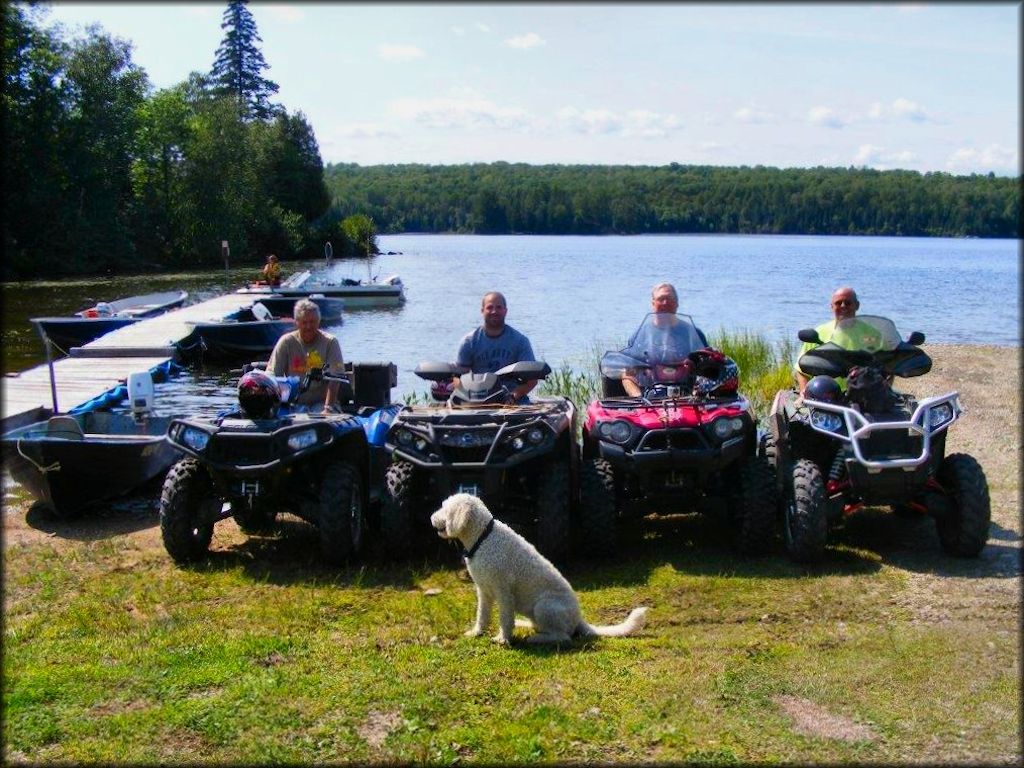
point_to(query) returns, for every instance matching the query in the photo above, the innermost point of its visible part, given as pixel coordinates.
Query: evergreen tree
(239, 65)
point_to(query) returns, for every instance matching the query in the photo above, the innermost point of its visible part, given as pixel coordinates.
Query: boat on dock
(71, 461)
(249, 333)
(104, 317)
(388, 291)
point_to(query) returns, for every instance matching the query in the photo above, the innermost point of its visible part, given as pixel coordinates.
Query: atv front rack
(931, 416)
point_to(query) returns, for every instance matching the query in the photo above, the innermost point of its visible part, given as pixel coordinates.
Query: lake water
(575, 295)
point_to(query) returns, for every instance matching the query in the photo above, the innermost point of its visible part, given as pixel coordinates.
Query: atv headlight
(517, 443)
(535, 435)
(939, 415)
(616, 431)
(404, 437)
(722, 428)
(826, 420)
(421, 444)
(196, 439)
(303, 439)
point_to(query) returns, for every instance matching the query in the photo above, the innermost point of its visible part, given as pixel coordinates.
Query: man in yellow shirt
(843, 329)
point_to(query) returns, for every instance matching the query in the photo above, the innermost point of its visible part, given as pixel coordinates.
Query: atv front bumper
(699, 460)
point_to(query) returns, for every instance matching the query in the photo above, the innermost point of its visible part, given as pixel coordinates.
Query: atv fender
(778, 428)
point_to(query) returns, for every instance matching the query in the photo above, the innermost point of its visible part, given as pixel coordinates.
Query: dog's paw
(473, 632)
(500, 639)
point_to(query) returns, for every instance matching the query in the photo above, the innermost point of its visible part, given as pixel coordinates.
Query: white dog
(508, 569)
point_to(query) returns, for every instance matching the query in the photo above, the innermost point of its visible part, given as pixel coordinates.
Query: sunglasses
(843, 303)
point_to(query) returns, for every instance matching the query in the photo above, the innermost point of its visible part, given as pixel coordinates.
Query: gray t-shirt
(485, 354)
(293, 358)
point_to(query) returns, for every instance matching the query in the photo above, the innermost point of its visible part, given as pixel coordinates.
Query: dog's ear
(456, 519)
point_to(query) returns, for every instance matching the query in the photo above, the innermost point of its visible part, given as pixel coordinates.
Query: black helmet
(258, 394)
(823, 388)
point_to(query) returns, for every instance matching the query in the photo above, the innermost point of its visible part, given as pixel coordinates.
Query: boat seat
(260, 312)
(65, 427)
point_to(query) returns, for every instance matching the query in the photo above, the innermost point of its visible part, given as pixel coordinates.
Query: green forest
(502, 198)
(104, 174)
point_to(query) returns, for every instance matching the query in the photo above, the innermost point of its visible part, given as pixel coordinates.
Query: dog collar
(487, 532)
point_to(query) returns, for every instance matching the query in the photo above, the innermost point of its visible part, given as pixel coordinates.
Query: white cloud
(994, 157)
(286, 13)
(907, 108)
(882, 159)
(529, 40)
(753, 115)
(900, 108)
(826, 117)
(640, 123)
(459, 31)
(466, 113)
(366, 131)
(390, 52)
(482, 27)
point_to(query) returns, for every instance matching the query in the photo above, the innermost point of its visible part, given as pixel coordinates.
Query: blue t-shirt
(485, 354)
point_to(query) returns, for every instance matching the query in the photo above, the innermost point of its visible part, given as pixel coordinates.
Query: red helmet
(258, 394)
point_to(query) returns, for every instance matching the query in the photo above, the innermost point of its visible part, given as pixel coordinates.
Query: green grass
(263, 655)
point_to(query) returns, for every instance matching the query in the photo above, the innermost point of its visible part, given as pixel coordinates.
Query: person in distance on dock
(272, 271)
(305, 348)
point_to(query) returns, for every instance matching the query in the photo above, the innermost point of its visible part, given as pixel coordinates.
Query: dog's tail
(632, 624)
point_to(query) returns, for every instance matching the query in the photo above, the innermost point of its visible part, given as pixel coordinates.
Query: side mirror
(916, 338)
(809, 336)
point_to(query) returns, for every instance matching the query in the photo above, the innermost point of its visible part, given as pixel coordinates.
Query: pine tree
(238, 67)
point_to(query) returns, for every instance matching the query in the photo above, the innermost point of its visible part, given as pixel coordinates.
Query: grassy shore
(888, 652)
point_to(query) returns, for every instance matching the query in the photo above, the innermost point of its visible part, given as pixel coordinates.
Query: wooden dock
(104, 363)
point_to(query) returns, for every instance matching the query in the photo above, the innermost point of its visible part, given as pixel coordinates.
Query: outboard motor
(141, 394)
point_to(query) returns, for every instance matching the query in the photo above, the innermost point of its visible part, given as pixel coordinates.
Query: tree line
(500, 198)
(105, 174)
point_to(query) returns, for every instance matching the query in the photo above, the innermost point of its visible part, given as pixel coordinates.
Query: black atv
(518, 457)
(270, 455)
(836, 451)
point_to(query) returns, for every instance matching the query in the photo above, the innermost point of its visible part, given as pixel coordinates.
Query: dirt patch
(377, 726)
(985, 590)
(810, 719)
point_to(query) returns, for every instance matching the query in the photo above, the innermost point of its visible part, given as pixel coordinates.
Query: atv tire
(186, 487)
(804, 520)
(598, 516)
(752, 507)
(553, 511)
(398, 510)
(963, 525)
(341, 519)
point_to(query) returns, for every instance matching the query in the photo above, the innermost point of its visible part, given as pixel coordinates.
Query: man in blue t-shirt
(494, 345)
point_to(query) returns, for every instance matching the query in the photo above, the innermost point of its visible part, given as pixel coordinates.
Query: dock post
(49, 364)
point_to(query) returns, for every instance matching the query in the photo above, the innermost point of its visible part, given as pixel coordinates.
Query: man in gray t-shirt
(494, 345)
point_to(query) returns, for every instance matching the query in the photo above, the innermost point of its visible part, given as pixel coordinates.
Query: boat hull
(110, 457)
(68, 332)
(253, 340)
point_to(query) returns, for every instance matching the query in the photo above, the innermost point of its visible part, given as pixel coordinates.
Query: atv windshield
(662, 340)
(870, 333)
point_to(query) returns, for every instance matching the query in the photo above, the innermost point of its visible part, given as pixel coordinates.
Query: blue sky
(926, 87)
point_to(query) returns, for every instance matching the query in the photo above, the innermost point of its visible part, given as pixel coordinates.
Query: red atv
(689, 434)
